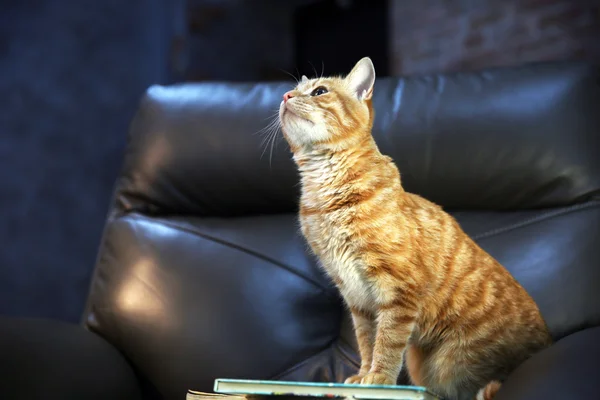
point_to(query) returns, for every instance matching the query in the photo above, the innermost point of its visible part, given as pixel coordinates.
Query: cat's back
(467, 283)
(459, 267)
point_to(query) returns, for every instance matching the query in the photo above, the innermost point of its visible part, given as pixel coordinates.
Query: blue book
(246, 388)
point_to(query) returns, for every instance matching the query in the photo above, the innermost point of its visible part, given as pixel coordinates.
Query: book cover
(260, 389)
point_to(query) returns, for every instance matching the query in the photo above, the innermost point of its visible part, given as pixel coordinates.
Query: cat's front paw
(376, 378)
(354, 379)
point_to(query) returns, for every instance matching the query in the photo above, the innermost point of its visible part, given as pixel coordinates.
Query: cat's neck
(329, 159)
(336, 170)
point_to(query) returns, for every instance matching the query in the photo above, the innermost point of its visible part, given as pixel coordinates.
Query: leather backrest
(202, 272)
(494, 139)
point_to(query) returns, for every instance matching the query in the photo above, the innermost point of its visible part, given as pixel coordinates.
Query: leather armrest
(569, 369)
(43, 359)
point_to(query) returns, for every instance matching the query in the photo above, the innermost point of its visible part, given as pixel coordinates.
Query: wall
(242, 40)
(71, 74)
(442, 35)
(239, 40)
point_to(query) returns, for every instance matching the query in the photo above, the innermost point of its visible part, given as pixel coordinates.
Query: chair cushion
(189, 300)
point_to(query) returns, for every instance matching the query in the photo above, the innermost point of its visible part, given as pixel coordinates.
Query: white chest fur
(328, 234)
(355, 289)
(340, 258)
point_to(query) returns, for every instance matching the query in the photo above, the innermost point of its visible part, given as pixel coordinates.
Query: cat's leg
(395, 323)
(459, 371)
(364, 328)
(414, 364)
(489, 391)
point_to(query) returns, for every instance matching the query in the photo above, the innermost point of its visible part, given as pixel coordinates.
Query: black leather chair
(202, 272)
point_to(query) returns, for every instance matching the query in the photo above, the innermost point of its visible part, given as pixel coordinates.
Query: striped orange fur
(421, 292)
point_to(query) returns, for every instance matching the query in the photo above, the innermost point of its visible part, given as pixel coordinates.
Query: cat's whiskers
(270, 136)
(314, 69)
(273, 139)
(266, 129)
(290, 74)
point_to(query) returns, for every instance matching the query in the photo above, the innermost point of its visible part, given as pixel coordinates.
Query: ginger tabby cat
(421, 292)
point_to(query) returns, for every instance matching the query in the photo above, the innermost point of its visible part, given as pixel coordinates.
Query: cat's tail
(488, 391)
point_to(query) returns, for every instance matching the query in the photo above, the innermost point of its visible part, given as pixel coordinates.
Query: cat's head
(329, 112)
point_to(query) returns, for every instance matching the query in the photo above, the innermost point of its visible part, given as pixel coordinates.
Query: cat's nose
(287, 96)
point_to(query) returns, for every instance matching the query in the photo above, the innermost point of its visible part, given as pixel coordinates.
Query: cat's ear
(362, 78)
(304, 79)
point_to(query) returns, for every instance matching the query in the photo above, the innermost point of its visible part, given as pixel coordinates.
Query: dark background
(72, 72)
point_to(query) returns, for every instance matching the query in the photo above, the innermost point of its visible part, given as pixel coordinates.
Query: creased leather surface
(497, 139)
(189, 299)
(186, 306)
(203, 273)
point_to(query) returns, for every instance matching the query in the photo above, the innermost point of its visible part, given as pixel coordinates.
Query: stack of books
(244, 389)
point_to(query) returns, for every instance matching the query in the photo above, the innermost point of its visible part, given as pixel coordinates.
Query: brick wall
(456, 35)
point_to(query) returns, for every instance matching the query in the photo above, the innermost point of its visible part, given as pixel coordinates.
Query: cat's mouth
(288, 111)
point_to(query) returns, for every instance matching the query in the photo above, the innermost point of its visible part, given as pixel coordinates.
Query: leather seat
(202, 272)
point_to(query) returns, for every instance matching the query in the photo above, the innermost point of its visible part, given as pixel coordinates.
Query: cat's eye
(319, 91)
